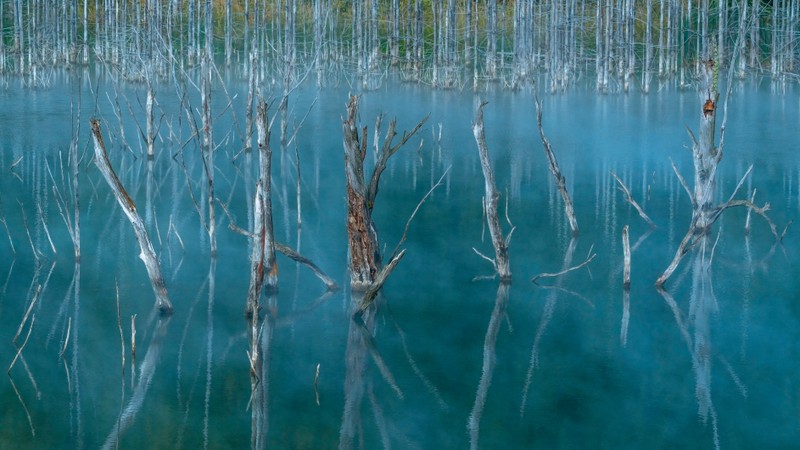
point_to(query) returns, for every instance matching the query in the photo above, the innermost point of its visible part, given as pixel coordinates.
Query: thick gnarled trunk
(366, 272)
(362, 241)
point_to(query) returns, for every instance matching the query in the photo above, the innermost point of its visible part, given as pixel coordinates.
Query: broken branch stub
(626, 253)
(147, 253)
(490, 200)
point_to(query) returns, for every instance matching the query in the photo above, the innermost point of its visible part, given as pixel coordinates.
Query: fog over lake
(444, 357)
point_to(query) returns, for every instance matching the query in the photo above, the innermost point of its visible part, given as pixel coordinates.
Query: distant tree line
(445, 43)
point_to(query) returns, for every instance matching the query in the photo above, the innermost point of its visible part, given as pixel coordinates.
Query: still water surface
(444, 361)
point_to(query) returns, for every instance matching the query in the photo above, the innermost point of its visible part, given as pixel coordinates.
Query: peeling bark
(365, 259)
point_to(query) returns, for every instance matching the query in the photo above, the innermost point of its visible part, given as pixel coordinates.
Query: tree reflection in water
(696, 332)
(147, 370)
(489, 360)
(360, 345)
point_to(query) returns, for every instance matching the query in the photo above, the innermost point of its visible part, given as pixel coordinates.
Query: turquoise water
(443, 361)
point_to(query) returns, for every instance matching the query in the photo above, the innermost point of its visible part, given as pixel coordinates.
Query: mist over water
(443, 361)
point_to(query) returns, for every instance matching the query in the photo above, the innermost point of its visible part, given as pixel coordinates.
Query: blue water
(444, 360)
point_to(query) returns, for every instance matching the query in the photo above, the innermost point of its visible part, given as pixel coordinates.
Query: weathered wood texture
(706, 157)
(147, 254)
(626, 252)
(561, 182)
(365, 258)
(705, 154)
(263, 266)
(362, 239)
(490, 200)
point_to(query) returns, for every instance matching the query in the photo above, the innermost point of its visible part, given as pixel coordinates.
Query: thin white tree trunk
(490, 200)
(147, 253)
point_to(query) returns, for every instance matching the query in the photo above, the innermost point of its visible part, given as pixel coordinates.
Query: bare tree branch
(561, 182)
(633, 203)
(589, 259)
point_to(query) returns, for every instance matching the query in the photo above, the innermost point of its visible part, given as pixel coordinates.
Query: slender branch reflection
(547, 315)
(212, 277)
(489, 360)
(147, 370)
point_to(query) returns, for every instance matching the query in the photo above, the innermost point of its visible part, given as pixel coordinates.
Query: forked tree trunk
(365, 259)
(706, 157)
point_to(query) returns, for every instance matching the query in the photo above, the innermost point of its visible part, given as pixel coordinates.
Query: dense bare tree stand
(147, 254)
(366, 272)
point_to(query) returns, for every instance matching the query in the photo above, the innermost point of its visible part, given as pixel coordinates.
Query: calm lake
(445, 360)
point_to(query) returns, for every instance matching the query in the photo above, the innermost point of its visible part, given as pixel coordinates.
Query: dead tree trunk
(705, 153)
(490, 199)
(251, 88)
(263, 266)
(228, 32)
(648, 48)
(365, 258)
(362, 238)
(209, 150)
(626, 252)
(147, 254)
(707, 156)
(491, 36)
(151, 129)
(561, 182)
